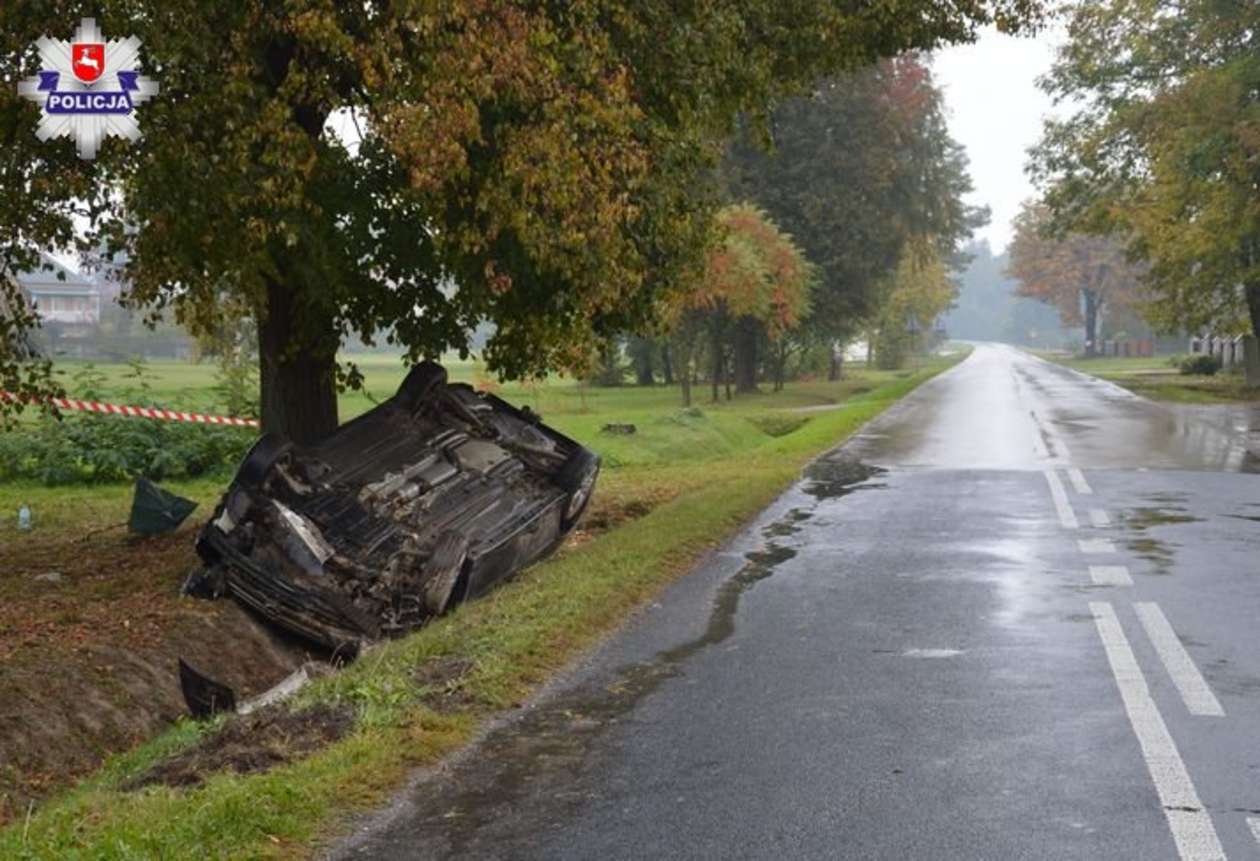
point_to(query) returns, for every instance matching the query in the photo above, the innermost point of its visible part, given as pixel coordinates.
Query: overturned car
(425, 501)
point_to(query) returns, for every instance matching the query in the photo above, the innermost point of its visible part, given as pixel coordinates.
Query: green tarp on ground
(155, 511)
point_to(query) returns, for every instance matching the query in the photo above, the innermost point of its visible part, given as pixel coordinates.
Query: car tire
(420, 385)
(261, 458)
(577, 478)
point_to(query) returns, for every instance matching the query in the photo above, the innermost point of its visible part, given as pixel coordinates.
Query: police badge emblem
(88, 88)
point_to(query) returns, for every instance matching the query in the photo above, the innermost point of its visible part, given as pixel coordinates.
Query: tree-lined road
(1030, 633)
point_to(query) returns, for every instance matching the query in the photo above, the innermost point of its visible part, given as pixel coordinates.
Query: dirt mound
(257, 742)
(88, 656)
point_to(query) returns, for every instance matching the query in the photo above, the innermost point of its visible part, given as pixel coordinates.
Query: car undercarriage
(425, 501)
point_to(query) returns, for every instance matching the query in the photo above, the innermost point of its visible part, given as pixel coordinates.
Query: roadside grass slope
(1152, 377)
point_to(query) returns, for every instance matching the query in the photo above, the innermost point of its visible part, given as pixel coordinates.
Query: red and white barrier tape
(141, 412)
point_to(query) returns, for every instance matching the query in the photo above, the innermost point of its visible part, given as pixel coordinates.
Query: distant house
(61, 295)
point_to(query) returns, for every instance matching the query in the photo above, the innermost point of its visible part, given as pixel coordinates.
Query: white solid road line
(1190, 824)
(1098, 517)
(1079, 484)
(1067, 516)
(1096, 545)
(1110, 575)
(1190, 683)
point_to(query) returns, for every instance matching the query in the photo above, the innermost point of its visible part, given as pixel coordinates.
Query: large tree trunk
(1092, 306)
(719, 368)
(780, 366)
(1251, 345)
(747, 334)
(833, 371)
(644, 373)
(1252, 293)
(298, 382)
(682, 350)
(667, 365)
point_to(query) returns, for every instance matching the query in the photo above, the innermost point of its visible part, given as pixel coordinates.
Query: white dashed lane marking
(1096, 545)
(1189, 681)
(1190, 824)
(1079, 484)
(1067, 517)
(1110, 575)
(1098, 517)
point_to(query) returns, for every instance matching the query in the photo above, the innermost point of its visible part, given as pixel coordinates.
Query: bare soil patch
(610, 509)
(443, 678)
(88, 656)
(254, 743)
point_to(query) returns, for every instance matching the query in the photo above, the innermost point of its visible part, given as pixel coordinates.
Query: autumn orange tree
(1078, 274)
(756, 284)
(544, 167)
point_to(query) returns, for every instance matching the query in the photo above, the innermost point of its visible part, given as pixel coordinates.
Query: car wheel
(261, 458)
(420, 385)
(577, 477)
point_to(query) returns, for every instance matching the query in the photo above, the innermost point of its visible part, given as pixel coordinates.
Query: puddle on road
(1161, 554)
(787, 524)
(1166, 496)
(829, 478)
(1141, 519)
(1158, 553)
(550, 744)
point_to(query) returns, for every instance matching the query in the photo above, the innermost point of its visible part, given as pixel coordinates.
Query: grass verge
(1153, 377)
(512, 640)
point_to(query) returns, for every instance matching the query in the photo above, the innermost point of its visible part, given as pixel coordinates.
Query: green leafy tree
(858, 169)
(915, 293)
(1164, 149)
(541, 166)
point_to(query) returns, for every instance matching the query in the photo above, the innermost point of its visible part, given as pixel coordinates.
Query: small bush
(1201, 364)
(90, 448)
(83, 448)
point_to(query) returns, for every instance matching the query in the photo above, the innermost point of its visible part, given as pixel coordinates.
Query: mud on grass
(624, 496)
(247, 745)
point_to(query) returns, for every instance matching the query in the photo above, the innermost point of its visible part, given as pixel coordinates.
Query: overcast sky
(995, 111)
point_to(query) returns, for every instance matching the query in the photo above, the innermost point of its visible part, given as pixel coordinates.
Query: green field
(1153, 377)
(666, 435)
(682, 484)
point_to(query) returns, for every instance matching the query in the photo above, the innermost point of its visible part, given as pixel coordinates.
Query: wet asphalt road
(1032, 632)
